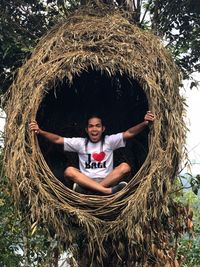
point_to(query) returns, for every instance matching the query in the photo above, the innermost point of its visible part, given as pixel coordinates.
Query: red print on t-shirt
(98, 156)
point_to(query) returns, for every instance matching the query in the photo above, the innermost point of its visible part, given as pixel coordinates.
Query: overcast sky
(193, 123)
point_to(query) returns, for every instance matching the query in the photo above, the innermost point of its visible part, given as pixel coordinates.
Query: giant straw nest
(89, 51)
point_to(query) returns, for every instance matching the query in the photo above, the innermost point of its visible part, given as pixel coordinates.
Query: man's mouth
(94, 134)
(94, 137)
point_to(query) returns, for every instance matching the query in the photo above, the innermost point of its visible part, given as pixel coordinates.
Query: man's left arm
(131, 132)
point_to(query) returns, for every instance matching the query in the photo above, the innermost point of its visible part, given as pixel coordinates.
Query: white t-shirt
(95, 159)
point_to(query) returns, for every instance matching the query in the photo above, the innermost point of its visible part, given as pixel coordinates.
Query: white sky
(193, 123)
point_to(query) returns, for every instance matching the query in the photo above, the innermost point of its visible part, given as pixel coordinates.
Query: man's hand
(54, 138)
(149, 117)
(33, 126)
(131, 132)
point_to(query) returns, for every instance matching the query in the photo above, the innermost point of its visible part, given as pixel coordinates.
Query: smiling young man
(96, 172)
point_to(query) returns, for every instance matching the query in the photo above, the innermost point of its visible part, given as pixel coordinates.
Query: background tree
(22, 245)
(189, 243)
(19, 244)
(22, 23)
(179, 24)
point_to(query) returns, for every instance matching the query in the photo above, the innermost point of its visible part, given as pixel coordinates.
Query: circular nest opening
(119, 99)
(107, 64)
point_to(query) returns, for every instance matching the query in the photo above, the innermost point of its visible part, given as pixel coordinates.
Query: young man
(95, 153)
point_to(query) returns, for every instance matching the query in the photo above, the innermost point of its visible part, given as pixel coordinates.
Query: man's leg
(81, 179)
(116, 175)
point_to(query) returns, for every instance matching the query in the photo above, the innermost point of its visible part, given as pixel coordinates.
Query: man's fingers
(33, 124)
(149, 116)
(34, 127)
(149, 113)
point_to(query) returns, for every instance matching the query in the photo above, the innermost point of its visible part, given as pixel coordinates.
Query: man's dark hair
(94, 115)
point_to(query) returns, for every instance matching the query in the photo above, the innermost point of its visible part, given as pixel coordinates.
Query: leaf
(34, 227)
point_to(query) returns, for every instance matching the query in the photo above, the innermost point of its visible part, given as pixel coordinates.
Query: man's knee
(125, 168)
(70, 171)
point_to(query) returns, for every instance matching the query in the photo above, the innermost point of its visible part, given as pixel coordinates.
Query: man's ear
(104, 128)
(86, 129)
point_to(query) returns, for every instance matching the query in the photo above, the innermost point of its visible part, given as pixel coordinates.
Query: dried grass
(111, 44)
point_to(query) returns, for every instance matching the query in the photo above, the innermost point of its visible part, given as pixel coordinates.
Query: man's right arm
(54, 138)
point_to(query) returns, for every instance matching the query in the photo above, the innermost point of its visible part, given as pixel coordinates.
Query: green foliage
(178, 22)
(9, 227)
(22, 23)
(9, 232)
(191, 181)
(21, 244)
(189, 243)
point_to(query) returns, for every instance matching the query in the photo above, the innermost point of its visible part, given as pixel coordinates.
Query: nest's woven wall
(109, 44)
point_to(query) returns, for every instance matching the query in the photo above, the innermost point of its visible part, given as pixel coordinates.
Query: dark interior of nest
(119, 99)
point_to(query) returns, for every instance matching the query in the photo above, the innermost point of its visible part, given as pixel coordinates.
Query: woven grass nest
(104, 47)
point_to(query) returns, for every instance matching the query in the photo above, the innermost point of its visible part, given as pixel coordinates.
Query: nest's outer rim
(125, 49)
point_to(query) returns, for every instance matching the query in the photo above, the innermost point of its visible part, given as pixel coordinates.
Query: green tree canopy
(22, 23)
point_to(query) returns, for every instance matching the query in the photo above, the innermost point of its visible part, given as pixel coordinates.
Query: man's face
(95, 129)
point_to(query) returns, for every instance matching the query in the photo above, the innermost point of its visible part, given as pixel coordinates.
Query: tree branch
(146, 10)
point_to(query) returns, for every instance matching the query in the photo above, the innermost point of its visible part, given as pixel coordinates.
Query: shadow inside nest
(119, 99)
